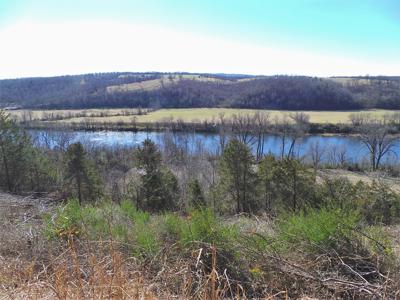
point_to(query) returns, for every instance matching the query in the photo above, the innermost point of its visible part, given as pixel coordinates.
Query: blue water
(355, 150)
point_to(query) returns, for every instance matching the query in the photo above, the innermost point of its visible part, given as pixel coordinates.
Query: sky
(259, 37)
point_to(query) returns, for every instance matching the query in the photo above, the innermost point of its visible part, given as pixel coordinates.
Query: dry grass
(68, 114)
(351, 81)
(368, 178)
(153, 84)
(99, 270)
(211, 114)
(189, 115)
(147, 85)
(78, 268)
(103, 272)
(73, 274)
(33, 267)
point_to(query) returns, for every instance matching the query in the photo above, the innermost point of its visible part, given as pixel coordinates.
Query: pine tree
(196, 195)
(21, 166)
(237, 175)
(82, 174)
(9, 140)
(159, 187)
(295, 184)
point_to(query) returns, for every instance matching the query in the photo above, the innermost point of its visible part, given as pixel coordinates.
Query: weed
(316, 227)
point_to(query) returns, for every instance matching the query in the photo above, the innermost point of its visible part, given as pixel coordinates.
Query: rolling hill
(184, 90)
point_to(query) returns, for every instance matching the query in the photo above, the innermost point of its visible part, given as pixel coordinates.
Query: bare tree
(134, 122)
(243, 128)
(358, 119)
(222, 131)
(298, 130)
(26, 116)
(211, 176)
(392, 118)
(282, 128)
(261, 121)
(291, 128)
(377, 139)
(337, 156)
(316, 153)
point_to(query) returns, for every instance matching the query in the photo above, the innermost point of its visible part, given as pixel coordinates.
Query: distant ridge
(182, 89)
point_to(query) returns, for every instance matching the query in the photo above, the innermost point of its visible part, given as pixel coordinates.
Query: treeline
(239, 177)
(68, 90)
(29, 163)
(182, 90)
(375, 92)
(278, 92)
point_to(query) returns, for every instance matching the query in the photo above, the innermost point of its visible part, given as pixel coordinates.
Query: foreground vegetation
(151, 222)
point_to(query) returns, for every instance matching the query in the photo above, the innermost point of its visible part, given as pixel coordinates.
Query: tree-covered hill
(201, 90)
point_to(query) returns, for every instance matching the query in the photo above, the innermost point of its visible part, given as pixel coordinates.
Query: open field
(213, 113)
(187, 115)
(66, 114)
(153, 84)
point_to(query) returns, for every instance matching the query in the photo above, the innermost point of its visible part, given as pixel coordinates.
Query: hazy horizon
(43, 38)
(199, 73)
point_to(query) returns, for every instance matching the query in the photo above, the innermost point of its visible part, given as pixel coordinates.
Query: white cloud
(43, 49)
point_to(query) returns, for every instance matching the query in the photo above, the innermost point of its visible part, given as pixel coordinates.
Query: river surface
(331, 146)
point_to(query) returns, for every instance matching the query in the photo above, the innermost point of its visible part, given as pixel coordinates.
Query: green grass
(144, 233)
(147, 233)
(317, 227)
(201, 226)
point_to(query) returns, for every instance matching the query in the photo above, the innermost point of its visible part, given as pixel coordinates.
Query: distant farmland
(191, 115)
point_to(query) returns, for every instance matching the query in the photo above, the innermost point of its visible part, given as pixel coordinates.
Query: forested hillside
(179, 90)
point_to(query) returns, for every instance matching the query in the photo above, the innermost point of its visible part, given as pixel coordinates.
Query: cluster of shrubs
(251, 251)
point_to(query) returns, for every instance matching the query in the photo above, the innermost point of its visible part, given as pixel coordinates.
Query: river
(330, 146)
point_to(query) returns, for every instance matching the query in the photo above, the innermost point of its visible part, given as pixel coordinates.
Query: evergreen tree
(294, 184)
(21, 166)
(237, 175)
(170, 190)
(159, 187)
(380, 204)
(196, 195)
(82, 174)
(12, 144)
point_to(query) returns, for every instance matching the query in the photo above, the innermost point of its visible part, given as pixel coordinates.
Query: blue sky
(310, 37)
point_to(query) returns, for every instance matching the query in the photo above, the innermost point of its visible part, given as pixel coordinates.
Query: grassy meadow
(209, 114)
(189, 115)
(153, 84)
(66, 114)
